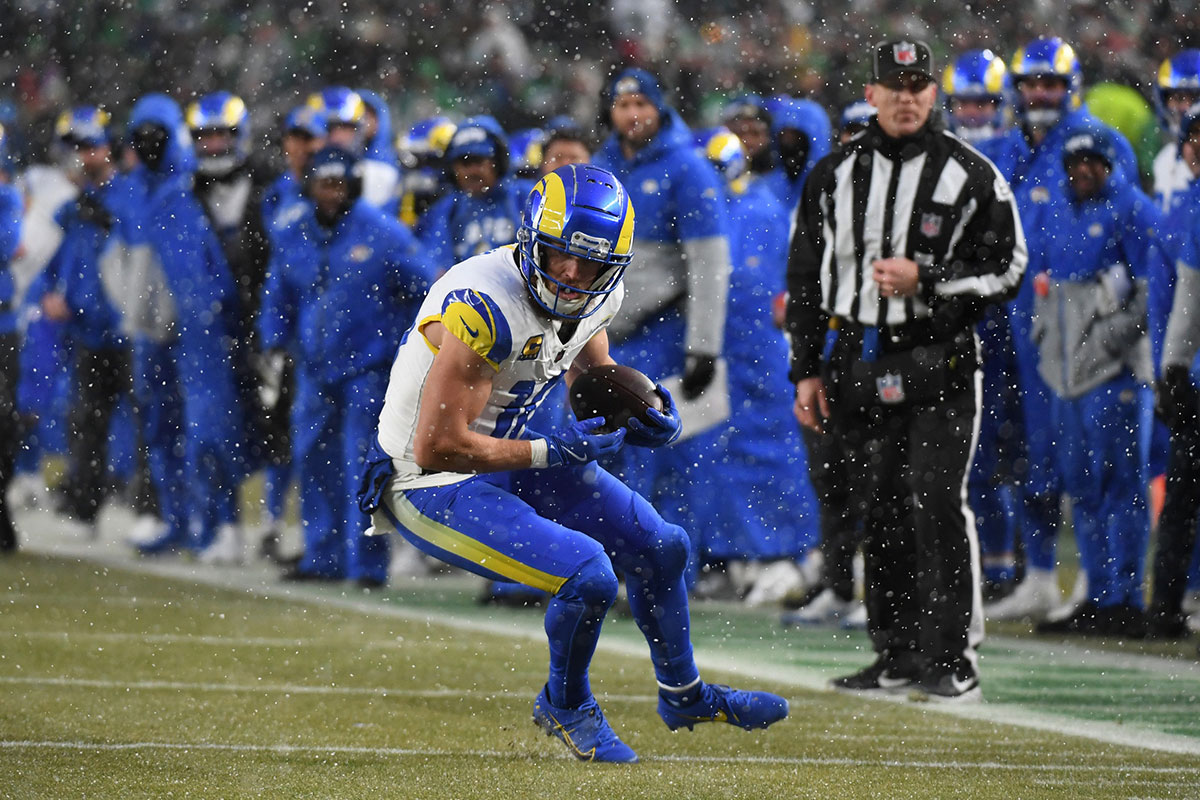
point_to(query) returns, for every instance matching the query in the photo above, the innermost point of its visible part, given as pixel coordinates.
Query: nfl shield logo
(931, 225)
(904, 53)
(891, 388)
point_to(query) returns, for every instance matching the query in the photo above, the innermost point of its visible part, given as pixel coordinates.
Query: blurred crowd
(522, 61)
(227, 215)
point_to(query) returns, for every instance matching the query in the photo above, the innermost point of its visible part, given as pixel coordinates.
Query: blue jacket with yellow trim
(11, 209)
(459, 226)
(339, 300)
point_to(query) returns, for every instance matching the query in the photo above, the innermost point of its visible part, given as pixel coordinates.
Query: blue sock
(573, 619)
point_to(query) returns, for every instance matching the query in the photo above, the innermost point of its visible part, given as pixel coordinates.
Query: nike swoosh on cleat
(886, 682)
(962, 686)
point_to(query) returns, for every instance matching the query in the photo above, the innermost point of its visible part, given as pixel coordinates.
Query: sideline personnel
(902, 239)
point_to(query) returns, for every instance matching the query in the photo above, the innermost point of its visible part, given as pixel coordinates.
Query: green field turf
(159, 679)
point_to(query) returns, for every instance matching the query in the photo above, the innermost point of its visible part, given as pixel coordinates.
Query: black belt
(892, 338)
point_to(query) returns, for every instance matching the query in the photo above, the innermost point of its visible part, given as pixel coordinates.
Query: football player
(460, 476)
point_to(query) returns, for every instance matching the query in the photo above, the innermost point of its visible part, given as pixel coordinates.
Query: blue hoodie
(339, 300)
(810, 119)
(95, 321)
(1035, 175)
(380, 167)
(11, 209)
(197, 277)
(1087, 331)
(681, 238)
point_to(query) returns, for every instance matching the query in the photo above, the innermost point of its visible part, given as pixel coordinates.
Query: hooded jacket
(681, 241)
(810, 119)
(10, 236)
(339, 300)
(380, 167)
(1090, 261)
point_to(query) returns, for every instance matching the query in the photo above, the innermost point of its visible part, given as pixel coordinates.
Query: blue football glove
(666, 428)
(579, 443)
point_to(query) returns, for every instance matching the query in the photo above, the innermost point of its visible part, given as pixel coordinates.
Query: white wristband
(539, 455)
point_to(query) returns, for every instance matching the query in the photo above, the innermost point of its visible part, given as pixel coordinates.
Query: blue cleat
(583, 730)
(748, 710)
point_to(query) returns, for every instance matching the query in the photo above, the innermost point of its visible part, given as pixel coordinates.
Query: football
(616, 393)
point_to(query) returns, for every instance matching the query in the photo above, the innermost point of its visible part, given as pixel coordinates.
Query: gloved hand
(89, 209)
(698, 373)
(666, 428)
(1175, 398)
(578, 443)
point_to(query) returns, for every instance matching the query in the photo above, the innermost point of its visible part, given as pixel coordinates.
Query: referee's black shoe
(948, 685)
(890, 673)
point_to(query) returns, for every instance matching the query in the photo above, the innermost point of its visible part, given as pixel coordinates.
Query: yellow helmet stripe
(993, 79)
(1064, 59)
(233, 111)
(625, 239)
(1164, 73)
(948, 80)
(553, 211)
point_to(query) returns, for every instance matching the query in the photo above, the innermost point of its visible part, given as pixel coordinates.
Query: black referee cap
(899, 56)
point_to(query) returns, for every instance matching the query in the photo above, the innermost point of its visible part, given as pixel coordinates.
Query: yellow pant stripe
(470, 549)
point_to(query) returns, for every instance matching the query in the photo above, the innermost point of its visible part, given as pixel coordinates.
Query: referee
(902, 238)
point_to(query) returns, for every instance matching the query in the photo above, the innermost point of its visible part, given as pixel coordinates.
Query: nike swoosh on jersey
(469, 329)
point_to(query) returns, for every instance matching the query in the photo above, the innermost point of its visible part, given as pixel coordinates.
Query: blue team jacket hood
(380, 147)
(809, 118)
(162, 110)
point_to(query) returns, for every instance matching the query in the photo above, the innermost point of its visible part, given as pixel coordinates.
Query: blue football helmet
(425, 142)
(982, 76)
(1179, 73)
(723, 149)
(526, 149)
(1047, 56)
(582, 210)
(342, 105)
(82, 126)
(220, 111)
(306, 121)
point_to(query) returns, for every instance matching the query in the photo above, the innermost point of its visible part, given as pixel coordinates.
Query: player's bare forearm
(455, 394)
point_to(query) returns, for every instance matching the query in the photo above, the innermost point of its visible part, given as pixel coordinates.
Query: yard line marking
(289, 688)
(508, 756)
(254, 580)
(233, 641)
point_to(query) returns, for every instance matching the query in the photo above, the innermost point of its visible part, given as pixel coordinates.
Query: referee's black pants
(908, 467)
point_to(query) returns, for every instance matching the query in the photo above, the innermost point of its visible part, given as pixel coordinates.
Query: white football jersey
(485, 303)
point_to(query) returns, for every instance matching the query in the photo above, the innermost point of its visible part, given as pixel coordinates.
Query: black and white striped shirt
(929, 197)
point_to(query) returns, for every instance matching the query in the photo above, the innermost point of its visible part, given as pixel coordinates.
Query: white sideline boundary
(288, 749)
(256, 580)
